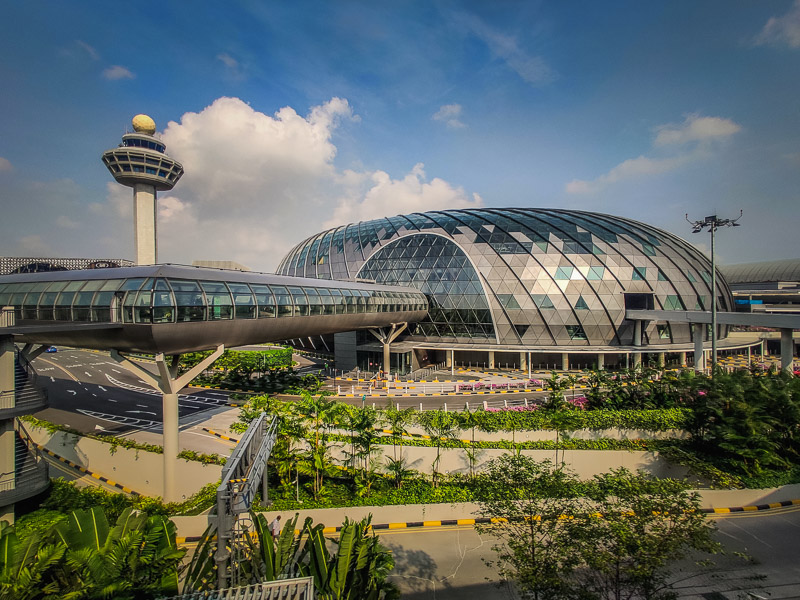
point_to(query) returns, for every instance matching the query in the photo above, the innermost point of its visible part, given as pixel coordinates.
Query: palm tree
(319, 414)
(440, 426)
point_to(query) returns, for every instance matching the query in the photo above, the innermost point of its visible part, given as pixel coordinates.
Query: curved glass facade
(154, 300)
(547, 277)
(439, 268)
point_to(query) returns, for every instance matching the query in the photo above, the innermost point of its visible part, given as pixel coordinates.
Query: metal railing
(301, 588)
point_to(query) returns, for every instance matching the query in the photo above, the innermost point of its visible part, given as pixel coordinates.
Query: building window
(576, 332)
(639, 273)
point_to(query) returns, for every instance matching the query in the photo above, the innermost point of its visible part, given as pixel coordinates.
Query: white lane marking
(116, 371)
(102, 388)
(87, 373)
(73, 392)
(188, 401)
(142, 423)
(110, 399)
(141, 412)
(95, 395)
(52, 379)
(142, 406)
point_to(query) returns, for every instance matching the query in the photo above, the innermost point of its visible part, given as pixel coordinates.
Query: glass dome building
(522, 280)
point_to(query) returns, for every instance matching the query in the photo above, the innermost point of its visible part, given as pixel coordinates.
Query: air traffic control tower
(140, 162)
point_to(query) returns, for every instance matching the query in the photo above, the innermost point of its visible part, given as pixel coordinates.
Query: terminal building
(510, 286)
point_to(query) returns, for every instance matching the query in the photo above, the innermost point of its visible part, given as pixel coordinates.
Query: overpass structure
(168, 310)
(700, 321)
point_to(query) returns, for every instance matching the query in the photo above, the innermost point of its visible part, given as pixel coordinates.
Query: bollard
(526, 403)
(373, 406)
(505, 403)
(353, 389)
(338, 390)
(420, 406)
(397, 405)
(485, 405)
(466, 405)
(445, 407)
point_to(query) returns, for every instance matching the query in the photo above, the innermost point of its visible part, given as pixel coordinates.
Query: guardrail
(301, 588)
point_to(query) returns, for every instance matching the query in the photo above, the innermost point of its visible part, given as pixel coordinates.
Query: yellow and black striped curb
(487, 520)
(754, 508)
(220, 435)
(106, 480)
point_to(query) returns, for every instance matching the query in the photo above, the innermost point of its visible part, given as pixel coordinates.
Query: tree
(526, 501)
(639, 525)
(319, 414)
(440, 426)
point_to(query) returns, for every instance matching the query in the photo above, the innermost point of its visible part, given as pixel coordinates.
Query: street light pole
(712, 223)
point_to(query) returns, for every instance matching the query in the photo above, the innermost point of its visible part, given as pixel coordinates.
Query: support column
(144, 224)
(169, 384)
(699, 355)
(386, 338)
(491, 359)
(451, 361)
(682, 358)
(601, 359)
(522, 365)
(7, 400)
(637, 333)
(448, 358)
(637, 360)
(662, 359)
(530, 375)
(787, 350)
(565, 361)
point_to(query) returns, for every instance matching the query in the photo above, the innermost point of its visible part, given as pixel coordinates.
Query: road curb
(487, 520)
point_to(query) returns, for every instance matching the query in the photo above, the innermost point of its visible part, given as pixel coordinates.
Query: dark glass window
(243, 301)
(189, 302)
(314, 301)
(265, 300)
(300, 301)
(218, 300)
(284, 301)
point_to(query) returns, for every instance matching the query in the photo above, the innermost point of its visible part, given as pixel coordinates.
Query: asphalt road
(448, 563)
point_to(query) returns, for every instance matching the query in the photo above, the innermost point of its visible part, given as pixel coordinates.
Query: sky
(292, 117)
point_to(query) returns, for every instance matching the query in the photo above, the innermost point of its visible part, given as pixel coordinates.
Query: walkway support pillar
(386, 338)
(682, 358)
(662, 359)
(600, 361)
(522, 365)
(491, 359)
(169, 384)
(699, 355)
(637, 333)
(565, 361)
(637, 360)
(7, 400)
(787, 350)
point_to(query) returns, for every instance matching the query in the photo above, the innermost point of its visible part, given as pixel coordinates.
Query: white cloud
(88, 49)
(532, 69)
(375, 195)
(116, 72)
(692, 140)
(34, 245)
(5, 165)
(256, 184)
(782, 30)
(66, 223)
(628, 169)
(233, 68)
(450, 114)
(695, 129)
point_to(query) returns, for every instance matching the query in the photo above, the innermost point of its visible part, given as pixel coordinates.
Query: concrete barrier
(138, 470)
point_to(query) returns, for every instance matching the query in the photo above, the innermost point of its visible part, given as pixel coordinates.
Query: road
(448, 563)
(91, 393)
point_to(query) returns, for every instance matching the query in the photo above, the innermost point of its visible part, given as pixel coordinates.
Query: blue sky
(292, 117)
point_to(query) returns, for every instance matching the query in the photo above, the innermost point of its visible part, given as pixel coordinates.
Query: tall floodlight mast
(140, 162)
(712, 223)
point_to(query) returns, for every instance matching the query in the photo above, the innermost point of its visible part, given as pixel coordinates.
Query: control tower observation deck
(140, 162)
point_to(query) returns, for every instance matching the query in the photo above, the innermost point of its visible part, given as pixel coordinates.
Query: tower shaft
(145, 221)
